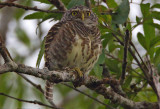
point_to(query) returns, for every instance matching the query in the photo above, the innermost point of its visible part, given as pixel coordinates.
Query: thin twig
(4, 52)
(27, 101)
(124, 65)
(95, 99)
(149, 65)
(59, 4)
(135, 3)
(138, 54)
(9, 1)
(28, 8)
(37, 86)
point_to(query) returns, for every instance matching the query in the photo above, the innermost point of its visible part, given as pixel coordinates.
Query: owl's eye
(88, 13)
(74, 13)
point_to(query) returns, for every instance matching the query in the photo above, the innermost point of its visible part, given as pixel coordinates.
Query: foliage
(114, 21)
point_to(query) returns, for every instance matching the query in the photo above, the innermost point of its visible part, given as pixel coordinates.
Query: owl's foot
(79, 76)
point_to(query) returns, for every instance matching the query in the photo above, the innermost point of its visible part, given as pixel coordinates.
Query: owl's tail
(49, 91)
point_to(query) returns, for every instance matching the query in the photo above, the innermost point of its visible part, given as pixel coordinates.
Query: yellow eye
(88, 13)
(74, 13)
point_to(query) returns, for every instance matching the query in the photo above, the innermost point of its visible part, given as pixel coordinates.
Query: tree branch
(9, 1)
(127, 103)
(59, 4)
(41, 90)
(4, 52)
(27, 101)
(124, 65)
(116, 87)
(90, 82)
(28, 8)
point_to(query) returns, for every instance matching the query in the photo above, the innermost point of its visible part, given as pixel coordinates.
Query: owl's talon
(79, 76)
(78, 72)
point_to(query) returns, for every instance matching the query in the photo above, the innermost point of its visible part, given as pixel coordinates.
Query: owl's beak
(82, 16)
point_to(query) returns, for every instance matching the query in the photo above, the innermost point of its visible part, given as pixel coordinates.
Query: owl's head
(81, 13)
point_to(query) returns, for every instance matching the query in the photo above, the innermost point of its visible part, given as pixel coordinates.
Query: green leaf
(97, 68)
(157, 56)
(112, 65)
(44, 16)
(141, 40)
(154, 41)
(22, 36)
(155, 25)
(18, 14)
(66, 2)
(111, 3)
(107, 38)
(156, 15)
(138, 19)
(155, 6)
(6, 87)
(149, 31)
(120, 52)
(36, 15)
(73, 3)
(122, 12)
(145, 9)
(21, 90)
(158, 68)
(43, 1)
(127, 82)
(112, 46)
(41, 52)
(56, 16)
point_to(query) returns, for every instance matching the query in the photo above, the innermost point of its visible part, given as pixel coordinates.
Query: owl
(74, 42)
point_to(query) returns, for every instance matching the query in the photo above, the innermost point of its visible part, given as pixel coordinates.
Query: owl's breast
(80, 52)
(84, 54)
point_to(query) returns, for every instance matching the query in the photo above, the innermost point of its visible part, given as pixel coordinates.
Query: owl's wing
(58, 43)
(52, 34)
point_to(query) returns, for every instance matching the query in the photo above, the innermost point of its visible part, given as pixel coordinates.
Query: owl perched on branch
(73, 43)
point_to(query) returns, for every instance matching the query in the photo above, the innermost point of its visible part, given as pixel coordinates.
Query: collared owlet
(74, 42)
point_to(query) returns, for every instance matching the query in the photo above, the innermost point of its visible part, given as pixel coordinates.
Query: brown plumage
(74, 42)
